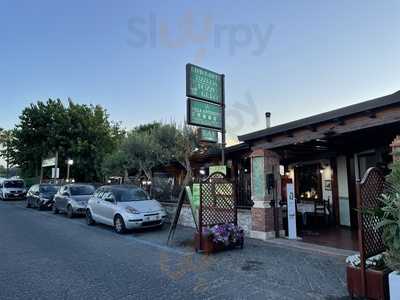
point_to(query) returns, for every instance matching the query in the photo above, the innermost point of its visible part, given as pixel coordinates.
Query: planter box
(394, 285)
(376, 287)
(208, 246)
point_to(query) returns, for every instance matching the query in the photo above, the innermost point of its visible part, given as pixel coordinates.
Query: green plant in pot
(389, 213)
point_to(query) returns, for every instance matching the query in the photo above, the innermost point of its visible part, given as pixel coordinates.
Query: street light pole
(70, 162)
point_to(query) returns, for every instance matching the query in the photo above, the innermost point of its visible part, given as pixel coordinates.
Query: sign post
(208, 87)
(291, 211)
(205, 92)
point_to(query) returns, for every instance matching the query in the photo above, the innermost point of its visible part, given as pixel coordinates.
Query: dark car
(41, 196)
(72, 199)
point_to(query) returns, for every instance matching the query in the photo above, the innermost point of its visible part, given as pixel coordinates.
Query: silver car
(124, 207)
(12, 189)
(72, 199)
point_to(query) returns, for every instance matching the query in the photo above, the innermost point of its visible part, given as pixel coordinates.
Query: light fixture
(202, 172)
(70, 162)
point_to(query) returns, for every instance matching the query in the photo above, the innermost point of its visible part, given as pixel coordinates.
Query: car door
(35, 196)
(94, 204)
(29, 195)
(105, 207)
(61, 199)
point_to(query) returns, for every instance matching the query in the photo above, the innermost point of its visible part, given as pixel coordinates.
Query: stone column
(396, 148)
(264, 162)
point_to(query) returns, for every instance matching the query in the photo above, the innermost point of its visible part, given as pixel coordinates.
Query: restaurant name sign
(204, 114)
(204, 84)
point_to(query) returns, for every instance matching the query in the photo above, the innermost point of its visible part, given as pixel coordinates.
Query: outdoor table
(307, 207)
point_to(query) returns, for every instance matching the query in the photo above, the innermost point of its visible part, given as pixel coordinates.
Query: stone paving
(46, 256)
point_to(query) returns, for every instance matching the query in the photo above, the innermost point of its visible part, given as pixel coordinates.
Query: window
(131, 194)
(79, 190)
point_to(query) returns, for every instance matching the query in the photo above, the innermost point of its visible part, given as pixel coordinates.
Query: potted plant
(376, 277)
(389, 213)
(220, 237)
(391, 229)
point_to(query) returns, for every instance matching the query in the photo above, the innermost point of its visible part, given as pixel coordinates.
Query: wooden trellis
(369, 191)
(217, 202)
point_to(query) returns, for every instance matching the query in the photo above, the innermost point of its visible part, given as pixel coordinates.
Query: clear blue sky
(319, 55)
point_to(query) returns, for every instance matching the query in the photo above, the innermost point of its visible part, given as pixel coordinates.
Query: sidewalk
(280, 269)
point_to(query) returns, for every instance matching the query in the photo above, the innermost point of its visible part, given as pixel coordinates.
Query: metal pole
(7, 158)
(223, 141)
(56, 167)
(68, 165)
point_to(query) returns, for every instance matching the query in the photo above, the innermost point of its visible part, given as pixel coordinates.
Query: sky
(291, 58)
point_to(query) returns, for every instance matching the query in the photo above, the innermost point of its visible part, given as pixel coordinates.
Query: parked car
(12, 189)
(72, 199)
(41, 196)
(124, 207)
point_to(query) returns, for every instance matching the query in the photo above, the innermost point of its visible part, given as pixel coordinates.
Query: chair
(320, 210)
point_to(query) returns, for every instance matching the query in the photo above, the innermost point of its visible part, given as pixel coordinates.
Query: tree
(6, 137)
(80, 132)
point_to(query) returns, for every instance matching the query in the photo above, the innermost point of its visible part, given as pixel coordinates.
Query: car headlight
(131, 210)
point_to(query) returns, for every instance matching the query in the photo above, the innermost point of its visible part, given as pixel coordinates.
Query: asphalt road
(46, 256)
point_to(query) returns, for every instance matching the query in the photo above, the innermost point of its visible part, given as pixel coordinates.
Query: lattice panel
(371, 188)
(217, 202)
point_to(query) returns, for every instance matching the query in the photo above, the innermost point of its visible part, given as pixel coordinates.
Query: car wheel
(70, 212)
(119, 225)
(89, 218)
(40, 206)
(55, 210)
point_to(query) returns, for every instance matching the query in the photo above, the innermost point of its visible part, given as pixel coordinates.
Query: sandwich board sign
(204, 84)
(291, 211)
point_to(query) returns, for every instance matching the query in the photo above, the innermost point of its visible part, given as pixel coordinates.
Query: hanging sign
(49, 162)
(204, 84)
(291, 211)
(208, 135)
(204, 114)
(215, 169)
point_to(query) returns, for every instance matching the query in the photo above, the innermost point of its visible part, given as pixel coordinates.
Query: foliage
(80, 132)
(389, 213)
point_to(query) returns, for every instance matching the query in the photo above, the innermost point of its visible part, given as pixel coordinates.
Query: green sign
(215, 169)
(203, 84)
(208, 135)
(204, 114)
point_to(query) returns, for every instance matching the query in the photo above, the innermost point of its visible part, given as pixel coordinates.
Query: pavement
(46, 256)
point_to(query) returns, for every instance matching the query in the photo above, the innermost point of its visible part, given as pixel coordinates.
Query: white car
(124, 207)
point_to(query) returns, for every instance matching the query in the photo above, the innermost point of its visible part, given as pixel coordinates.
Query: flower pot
(376, 286)
(208, 246)
(394, 285)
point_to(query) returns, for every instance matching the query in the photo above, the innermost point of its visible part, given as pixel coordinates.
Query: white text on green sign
(204, 84)
(204, 114)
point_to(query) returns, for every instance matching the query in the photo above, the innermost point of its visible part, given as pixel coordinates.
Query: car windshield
(14, 184)
(128, 195)
(79, 190)
(49, 189)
